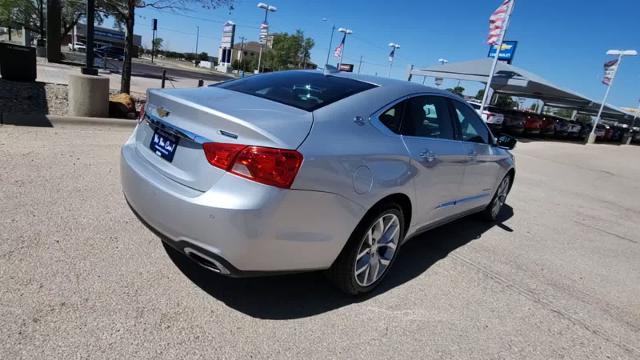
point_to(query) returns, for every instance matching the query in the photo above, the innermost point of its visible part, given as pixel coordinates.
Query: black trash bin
(17, 62)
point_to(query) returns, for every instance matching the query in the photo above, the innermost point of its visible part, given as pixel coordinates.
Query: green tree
(124, 11)
(506, 102)
(156, 44)
(289, 51)
(480, 94)
(30, 14)
(458, 90)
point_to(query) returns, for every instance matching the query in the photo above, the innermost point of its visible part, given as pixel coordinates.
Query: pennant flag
(609, 69)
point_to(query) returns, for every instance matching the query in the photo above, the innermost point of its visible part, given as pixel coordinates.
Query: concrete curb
(79, 120)
(42, 120)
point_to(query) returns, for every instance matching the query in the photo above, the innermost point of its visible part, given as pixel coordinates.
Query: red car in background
(548, 125)
(532, 123)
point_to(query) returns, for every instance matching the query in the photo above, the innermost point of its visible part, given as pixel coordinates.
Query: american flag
(338, 52)
(497, 22)
(609, 68)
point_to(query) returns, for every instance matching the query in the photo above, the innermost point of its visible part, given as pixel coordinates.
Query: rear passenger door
(483, 171)
(429, 134)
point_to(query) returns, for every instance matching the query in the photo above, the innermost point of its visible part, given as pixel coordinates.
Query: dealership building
(103, 37)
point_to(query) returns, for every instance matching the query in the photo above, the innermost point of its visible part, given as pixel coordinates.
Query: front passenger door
(483, 171)
(429, 134)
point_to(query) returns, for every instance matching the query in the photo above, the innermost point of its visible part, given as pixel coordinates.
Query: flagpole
(592, 135)
(495, 58)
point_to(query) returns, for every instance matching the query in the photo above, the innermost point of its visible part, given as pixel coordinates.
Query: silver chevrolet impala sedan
(302, 170)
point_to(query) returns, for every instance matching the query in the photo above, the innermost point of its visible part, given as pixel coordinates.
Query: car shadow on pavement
(307, 294)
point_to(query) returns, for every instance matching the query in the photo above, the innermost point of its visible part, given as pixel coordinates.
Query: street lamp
(333, 30)
(392, 54)
(344, 32)
(265, 24)
(443, 61)
(620, 54)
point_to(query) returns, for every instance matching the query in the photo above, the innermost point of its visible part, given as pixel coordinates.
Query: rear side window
(392, 118)
(304, 90)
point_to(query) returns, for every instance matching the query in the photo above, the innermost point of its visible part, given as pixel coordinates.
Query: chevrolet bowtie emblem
(162, 112)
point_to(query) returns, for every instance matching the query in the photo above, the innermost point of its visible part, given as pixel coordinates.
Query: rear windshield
(304, 90)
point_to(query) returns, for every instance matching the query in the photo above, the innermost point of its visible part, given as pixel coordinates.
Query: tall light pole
(265, 25)
(333, 30)
(344, 32)
(620, 54)
(392, 54)
(197, 38)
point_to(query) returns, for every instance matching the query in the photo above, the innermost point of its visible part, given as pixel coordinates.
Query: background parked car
(574, 130)
(513, 121)
(110, 52)
(547, 126)
(532, 123)
(608, 132)
(586, 129)
(490, 115)
(560, 126)
(78, 47)
(618, 131)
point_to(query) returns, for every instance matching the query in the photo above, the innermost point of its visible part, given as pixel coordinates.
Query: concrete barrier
(88, 95)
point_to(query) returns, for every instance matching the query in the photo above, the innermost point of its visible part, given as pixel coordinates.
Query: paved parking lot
(80, 277)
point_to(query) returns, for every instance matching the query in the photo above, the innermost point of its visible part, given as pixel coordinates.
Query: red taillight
(276, 167)
(222, 155)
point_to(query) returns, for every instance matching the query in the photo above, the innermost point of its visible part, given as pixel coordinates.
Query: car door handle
(427, 155)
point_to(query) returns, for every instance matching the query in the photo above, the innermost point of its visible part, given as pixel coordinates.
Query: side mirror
(506, 141)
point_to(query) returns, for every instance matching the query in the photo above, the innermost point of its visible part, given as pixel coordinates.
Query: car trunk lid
(187, 118)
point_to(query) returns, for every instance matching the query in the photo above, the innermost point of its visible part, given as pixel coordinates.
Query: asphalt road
(153, 70)
(80, 277)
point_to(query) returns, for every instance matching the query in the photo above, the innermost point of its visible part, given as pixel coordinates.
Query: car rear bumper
(241, 227)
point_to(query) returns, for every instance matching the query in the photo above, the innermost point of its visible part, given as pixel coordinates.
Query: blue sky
(562, 41)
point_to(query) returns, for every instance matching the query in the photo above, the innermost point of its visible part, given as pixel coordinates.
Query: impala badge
(162, 112)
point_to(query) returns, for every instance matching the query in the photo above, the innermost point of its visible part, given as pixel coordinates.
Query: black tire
(342, 273)
(488, 213)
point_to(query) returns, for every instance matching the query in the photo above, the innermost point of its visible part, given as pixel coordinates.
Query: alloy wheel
(377, 249)
(501, 197)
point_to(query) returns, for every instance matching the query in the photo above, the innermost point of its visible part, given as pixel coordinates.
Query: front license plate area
(164, 144)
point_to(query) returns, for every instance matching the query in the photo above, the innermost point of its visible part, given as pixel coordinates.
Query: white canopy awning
(511, 80)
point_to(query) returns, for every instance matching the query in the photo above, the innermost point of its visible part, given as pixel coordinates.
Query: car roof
(392, 83)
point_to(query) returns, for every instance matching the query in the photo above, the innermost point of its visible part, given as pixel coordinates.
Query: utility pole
(242, 38)
(359, 64)
(154, 28)
(197, 38)
(333, 30)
